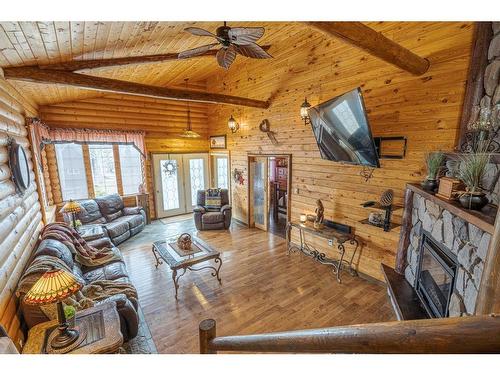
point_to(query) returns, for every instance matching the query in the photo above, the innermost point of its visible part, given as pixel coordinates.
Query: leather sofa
(205, 220)
(119, 222)
(113, 270)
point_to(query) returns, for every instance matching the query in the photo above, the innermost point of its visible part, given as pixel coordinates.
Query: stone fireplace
(462, 247)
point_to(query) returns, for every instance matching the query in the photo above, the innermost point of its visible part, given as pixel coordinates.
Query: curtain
(44, 135)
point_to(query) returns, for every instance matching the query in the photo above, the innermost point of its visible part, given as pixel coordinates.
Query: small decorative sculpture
(265, 127)
(386, 198)
(318, 222)
(184, 241)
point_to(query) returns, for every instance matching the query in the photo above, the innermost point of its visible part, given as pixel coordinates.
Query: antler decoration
(266, 128)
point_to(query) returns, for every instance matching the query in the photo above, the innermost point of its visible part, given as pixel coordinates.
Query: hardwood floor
(263, 289)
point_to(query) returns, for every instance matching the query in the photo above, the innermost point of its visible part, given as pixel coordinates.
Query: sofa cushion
(212, 217)
(134, 220)
(114, 216)
(117, 227)
(90, 213)
(55, 249)
(110, 271)
(110, 205)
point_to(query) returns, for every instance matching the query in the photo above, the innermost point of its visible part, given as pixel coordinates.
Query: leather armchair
(206, 220)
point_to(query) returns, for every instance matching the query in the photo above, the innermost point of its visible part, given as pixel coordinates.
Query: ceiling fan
(233, 40)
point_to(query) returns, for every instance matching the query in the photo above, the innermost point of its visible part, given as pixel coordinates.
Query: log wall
(426, 109)
(20, 216)
(162, 120)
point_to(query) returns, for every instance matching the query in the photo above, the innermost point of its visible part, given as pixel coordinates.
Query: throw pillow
(213, 200)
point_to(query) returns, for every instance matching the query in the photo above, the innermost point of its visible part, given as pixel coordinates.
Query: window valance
(44, 134)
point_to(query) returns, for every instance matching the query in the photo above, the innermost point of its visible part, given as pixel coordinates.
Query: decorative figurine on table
(320, 215)
(184, 241)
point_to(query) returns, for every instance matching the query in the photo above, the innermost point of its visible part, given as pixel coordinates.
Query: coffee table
(163, 252)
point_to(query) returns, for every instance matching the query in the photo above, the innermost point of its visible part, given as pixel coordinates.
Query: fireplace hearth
(436, 273)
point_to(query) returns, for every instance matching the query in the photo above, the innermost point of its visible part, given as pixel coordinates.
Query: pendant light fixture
(188, 133)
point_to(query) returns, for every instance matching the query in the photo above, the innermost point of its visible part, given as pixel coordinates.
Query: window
(222, 177)
(131, 168)
(71, 171)
(102, 162)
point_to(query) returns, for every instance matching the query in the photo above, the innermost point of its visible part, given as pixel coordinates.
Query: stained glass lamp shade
(54, 286)
(72, 207)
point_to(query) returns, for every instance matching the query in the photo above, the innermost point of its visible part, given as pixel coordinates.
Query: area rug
(143, 343)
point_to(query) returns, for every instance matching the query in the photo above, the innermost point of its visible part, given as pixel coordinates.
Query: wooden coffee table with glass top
(177, 259)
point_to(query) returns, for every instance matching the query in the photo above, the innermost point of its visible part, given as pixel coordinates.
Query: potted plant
(434, 162)
(70, 313)
(471, 172)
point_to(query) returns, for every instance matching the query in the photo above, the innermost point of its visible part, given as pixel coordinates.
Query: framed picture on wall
(217, 142)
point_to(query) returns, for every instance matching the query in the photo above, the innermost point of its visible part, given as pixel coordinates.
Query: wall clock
(19, 167)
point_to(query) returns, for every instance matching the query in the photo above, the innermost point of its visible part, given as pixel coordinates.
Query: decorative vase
(430, 185)
(473, 201)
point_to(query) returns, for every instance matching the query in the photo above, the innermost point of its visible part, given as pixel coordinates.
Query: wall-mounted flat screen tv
(342, 132)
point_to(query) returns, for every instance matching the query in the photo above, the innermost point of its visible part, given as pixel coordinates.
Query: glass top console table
(340, 238)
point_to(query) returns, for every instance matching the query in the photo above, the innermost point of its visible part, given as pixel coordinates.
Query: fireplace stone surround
(466, 241)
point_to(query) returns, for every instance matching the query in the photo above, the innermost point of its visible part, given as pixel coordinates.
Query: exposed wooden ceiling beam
(48, 76)
(76, 65)
(361, 36)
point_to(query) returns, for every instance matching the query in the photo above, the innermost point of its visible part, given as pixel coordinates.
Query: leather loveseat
(113, 270)
(205, 219)
(119, 222)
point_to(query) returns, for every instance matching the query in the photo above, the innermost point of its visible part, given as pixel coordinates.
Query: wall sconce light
(303, 112)
(232, 124)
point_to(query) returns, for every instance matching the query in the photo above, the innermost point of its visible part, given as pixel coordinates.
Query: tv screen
(342, 131)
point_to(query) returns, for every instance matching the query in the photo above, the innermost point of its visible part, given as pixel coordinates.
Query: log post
(474, 90)
(207, 332)
(488, 299)
(404, 235)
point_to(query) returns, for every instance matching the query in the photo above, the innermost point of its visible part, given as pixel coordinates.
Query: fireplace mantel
(484, 219)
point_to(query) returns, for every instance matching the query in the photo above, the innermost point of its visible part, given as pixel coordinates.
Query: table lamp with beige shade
(55, 286)
(72, 207)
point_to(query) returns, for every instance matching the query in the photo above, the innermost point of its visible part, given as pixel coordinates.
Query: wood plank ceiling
(40, 43)
(37, 43)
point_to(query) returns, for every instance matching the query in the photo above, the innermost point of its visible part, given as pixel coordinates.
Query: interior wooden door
(169, 185)
(259, 203)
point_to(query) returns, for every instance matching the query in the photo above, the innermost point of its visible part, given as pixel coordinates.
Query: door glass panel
(197, 176)
(170, 184)
(222, 175)
(259, 193)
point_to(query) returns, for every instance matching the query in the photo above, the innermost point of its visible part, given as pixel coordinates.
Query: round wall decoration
(19, 167)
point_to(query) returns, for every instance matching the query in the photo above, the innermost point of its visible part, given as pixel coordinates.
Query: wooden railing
(474, 334)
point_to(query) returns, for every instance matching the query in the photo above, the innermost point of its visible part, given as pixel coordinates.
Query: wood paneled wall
(162, 120)
(20, 216)
(425, 109)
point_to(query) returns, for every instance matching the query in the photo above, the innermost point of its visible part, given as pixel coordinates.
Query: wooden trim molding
(404, 235)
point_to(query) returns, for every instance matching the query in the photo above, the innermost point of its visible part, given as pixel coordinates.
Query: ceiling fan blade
(226, 56)
(245, 35)
(198, 31)
(252, 50)
(195, 51)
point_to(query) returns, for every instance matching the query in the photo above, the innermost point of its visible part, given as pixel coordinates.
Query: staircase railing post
(207, 332)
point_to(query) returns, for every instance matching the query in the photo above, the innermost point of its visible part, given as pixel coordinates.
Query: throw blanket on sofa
(84, 253)
(91, 293)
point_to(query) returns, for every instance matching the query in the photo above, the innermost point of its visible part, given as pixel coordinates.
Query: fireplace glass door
(435, 279)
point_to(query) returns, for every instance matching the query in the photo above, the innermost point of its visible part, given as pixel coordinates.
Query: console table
(330, 234)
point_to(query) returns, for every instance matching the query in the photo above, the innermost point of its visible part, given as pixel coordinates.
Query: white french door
(178, 177)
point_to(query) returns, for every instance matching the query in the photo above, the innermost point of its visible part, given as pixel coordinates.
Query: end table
(101, 322)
